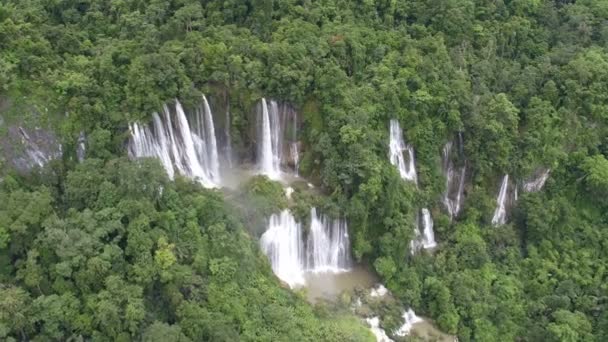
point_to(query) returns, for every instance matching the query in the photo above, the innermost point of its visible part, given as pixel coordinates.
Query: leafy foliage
(145, 259)
(524, 81)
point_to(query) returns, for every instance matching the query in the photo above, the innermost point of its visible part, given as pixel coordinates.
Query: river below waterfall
(329, 285)
(426, 331)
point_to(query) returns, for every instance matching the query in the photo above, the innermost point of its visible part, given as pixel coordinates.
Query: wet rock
(27, 148)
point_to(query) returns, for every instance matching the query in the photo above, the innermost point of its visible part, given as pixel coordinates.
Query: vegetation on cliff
(99, 249)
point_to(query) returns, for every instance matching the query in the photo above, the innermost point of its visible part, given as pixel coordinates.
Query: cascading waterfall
(206, 134)
(409, 318)
(295, 156)
(293, 146)
(270, 147)
(428, 235)
(537, 182)
(453, 199)
(282, 243)
(379, 333)
(426, 238)
(81, 147)
(396, 149)
(192, 151)
(460, 144)
(228, 146)
(500, 214)
(415, 243)
(328, 244)
(327, 248)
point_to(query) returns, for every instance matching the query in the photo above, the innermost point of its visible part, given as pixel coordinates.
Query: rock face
(27, 148)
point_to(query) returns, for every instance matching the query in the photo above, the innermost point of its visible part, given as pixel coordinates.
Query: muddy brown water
(328, 285)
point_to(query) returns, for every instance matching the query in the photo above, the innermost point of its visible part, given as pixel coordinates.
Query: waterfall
(397, 147)
(295, 156)
(328, 244)
(378, 291)
(270, 148)
(415, 243)
(192, 151)
(410, 319)
(207, 134)
(537, 182)
(277, 139)
(428, 236)
(460, 144)
(228, 148)
(282, 243)
(452, 197)
(81, 147)
(293, 147)
(327, 248)
(500, 214)
(379, 333)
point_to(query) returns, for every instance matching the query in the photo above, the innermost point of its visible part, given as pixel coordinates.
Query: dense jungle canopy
(112, 249)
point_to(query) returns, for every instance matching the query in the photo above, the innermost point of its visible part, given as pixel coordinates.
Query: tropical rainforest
(112, 249)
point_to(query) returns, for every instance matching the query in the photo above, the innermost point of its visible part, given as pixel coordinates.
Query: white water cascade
(426, 238)
(409, 318)
(328, 244)
(282, 243)
(397, 147)
(293, 145)
(428, 235)
(278, 144)
(379, 333)
(326, 249)
(537, 182)
(416, 243)
(500, 214)
(454, 188)
(295, 156)
(205, 135)
(228, 142)
(81, 147)
(188, 147)
(270, 148)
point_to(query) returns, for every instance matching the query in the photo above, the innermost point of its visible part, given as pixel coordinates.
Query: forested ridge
(112, 249)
